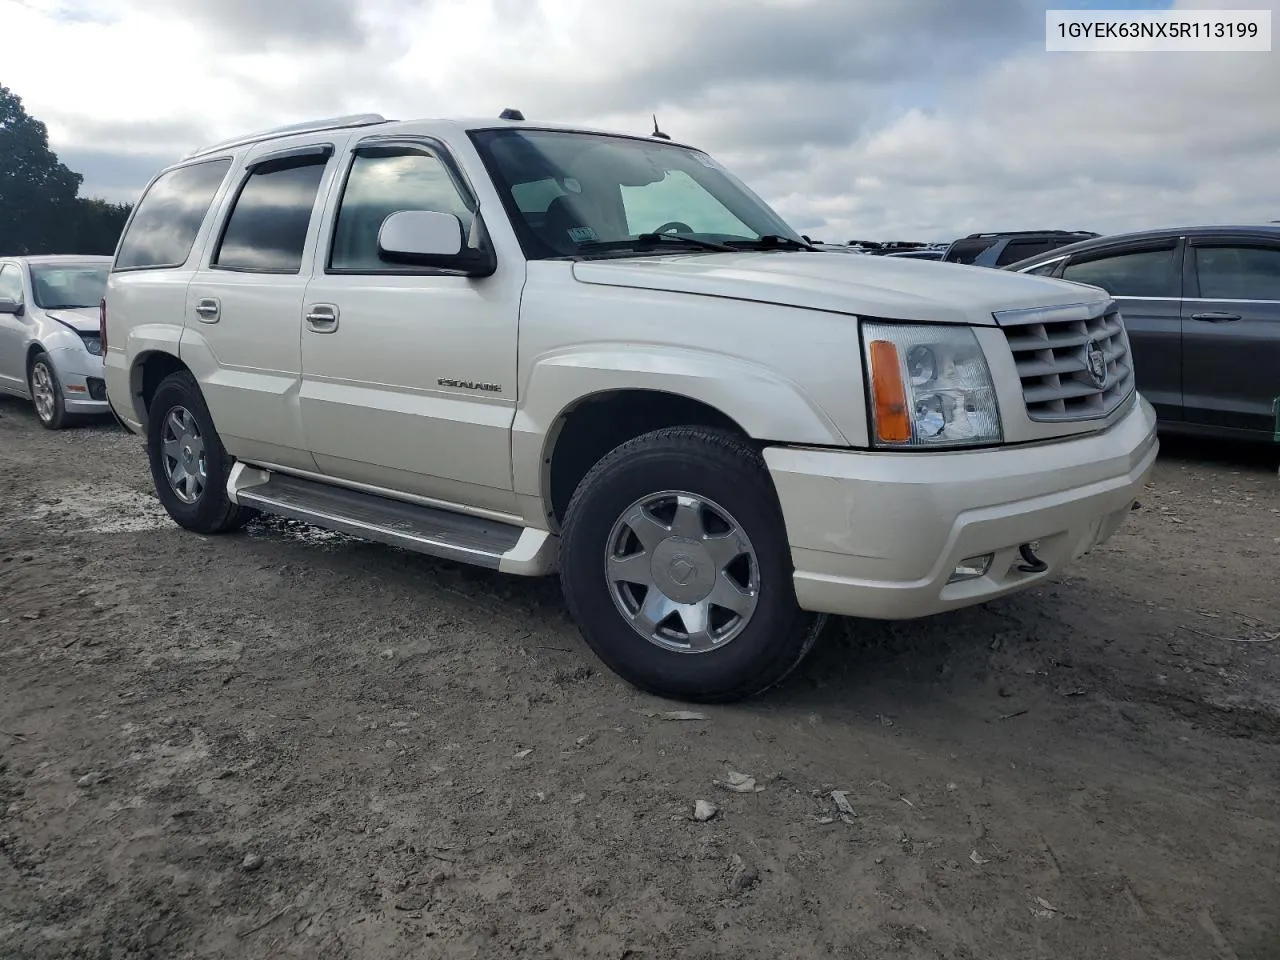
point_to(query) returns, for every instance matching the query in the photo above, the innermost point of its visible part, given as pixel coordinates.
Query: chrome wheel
(42, 392)
(182, 454)
(682, 571)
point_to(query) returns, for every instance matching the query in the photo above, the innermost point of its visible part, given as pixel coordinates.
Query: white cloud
(857, 118)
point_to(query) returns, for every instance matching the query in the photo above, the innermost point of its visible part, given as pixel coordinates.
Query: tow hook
(1031, 563)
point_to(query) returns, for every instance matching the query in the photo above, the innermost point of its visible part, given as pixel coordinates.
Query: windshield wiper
(68, 306)
(647, 241)
(655, 238)
(772, 241)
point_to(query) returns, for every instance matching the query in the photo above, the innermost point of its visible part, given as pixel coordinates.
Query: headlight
(92, 344)
(930, 387)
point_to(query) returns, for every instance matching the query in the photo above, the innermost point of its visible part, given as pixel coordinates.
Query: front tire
(46, 393)
(676, 567)
(189, 465)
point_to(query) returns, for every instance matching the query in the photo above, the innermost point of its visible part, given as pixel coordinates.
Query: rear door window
(1133, 273)
(169, 216)
(267, 229)
(1238, 272)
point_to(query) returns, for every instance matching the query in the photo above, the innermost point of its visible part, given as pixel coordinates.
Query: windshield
(65, 286)
(568, 193)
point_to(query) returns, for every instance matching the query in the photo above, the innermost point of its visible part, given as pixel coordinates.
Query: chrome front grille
(1061, 354)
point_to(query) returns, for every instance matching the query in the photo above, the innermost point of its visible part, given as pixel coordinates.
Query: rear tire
(691, 513)
(189, 465)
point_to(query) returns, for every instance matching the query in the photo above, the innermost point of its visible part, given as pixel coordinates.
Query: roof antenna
(656, 132)
(511, 114)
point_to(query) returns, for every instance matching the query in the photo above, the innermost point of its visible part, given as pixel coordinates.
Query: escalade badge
(1095, 364)
(470, 384)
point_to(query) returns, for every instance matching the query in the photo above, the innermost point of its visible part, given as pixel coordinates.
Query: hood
(894, 288)
(81, 319)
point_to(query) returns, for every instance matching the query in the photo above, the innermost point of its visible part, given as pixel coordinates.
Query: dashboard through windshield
(575, 194)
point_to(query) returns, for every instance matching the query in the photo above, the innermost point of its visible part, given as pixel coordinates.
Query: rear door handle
(1215, 317)
(208, 310)
(322, 318)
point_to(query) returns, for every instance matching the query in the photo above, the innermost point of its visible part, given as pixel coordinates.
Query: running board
(430, 530)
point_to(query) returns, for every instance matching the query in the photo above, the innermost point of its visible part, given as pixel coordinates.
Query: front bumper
(879, 535)
(88, 407)
(84, 389)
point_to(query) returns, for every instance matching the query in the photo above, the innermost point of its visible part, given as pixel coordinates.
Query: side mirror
(426, 238)
(9, 305)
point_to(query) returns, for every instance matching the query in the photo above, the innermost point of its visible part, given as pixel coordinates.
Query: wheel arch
(593, 425)
(34, 349)
(149, 369)
(575, 393)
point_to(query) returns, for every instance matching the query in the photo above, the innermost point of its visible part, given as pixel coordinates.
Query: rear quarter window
(1016, 250)
(967, 251)
(168, 218)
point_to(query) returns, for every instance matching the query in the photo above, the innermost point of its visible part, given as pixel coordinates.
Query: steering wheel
(674, 226)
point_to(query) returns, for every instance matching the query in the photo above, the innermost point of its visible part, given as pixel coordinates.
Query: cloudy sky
(877, 119)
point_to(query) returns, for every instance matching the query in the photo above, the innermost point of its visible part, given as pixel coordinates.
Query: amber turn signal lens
(889, 394)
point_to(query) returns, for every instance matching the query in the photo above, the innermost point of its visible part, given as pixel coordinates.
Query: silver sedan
(50, 348)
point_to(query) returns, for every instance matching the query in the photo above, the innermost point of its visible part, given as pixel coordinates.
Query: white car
(50, 350)
(537, 348)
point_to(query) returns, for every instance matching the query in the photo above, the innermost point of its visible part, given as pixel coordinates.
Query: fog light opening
(971, 568)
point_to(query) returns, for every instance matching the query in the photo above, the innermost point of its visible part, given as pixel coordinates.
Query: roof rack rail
(307, 126)
(1028, 233)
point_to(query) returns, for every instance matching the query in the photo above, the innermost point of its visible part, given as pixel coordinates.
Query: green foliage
(40, 211)
(97, 225)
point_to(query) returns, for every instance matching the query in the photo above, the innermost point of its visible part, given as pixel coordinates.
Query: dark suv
(1202, 309)
(1002, 249)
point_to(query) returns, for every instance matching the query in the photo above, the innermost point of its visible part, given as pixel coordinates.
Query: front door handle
(1214, 317)
(208, 310)
(322, 318)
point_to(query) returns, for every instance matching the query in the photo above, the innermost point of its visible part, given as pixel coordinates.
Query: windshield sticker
(582, 234)
(572, 186)
(706, 161)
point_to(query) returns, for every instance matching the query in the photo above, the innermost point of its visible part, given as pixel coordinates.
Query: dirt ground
(291, 744)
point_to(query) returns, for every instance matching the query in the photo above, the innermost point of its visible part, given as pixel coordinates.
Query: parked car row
(1001, 249)
(978, 249)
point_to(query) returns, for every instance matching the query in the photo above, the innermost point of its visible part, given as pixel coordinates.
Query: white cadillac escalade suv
(547, 349)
